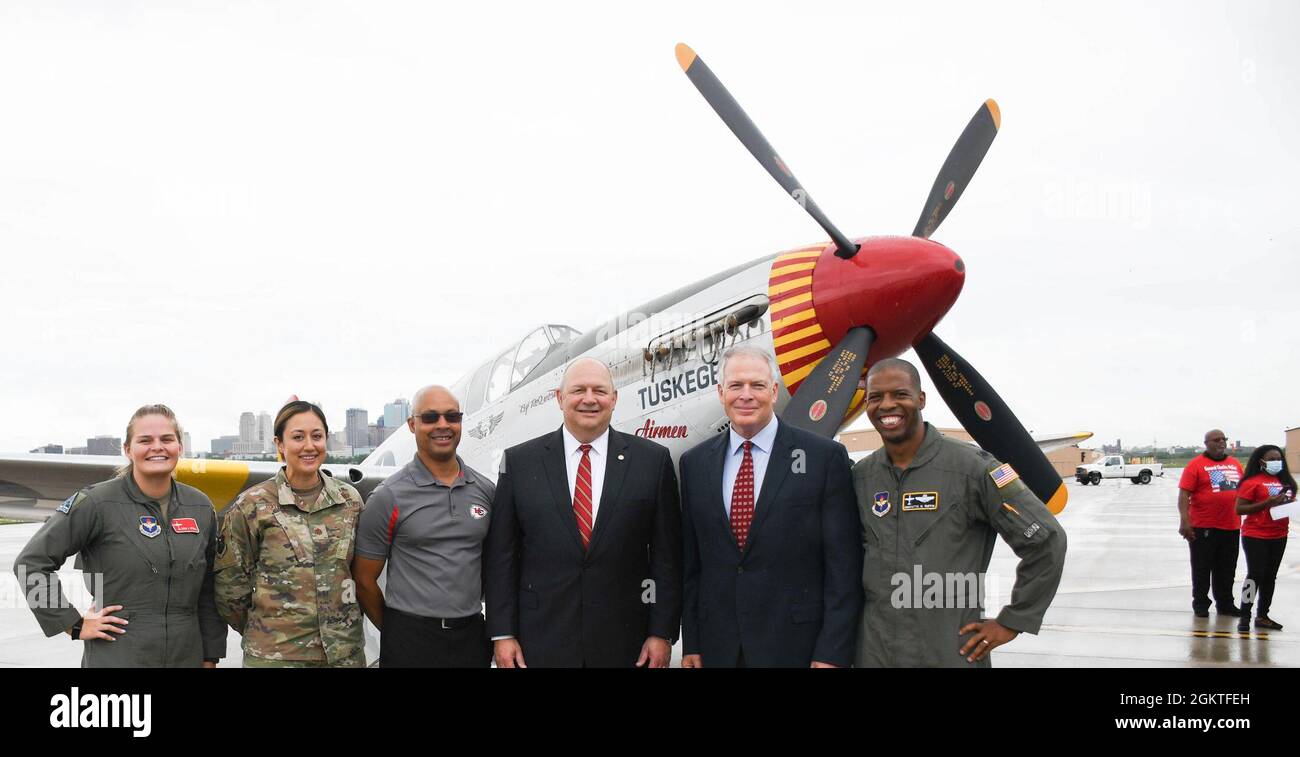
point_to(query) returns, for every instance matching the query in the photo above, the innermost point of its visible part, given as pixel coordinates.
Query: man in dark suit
(583, 555)
(773, 551)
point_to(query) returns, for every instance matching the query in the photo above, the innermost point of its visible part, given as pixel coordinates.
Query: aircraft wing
(32, 484)
(1045, 442)
(1049, 442)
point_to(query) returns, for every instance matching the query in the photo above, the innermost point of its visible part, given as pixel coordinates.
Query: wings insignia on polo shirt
(485, 428)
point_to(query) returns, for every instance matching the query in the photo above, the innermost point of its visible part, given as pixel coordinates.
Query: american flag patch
(1003, 475)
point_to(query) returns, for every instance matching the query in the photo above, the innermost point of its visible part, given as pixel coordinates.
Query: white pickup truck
(1113, 466)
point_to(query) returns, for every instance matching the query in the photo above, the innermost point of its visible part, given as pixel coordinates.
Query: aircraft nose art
(797, 335)
(899, 286)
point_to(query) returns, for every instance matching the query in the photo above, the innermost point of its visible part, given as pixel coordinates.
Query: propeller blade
(734, 117)
(990, 422)
(959, 167)
(824, 396)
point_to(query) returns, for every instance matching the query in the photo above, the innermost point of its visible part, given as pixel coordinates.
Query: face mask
(1273, 467)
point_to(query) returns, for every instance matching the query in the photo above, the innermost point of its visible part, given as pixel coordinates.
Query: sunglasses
(433, 415)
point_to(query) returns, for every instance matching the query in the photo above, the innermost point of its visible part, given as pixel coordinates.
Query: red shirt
(1261, 525)
(1213, 486)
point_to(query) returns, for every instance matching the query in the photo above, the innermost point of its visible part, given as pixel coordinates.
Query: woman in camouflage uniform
(284, 579)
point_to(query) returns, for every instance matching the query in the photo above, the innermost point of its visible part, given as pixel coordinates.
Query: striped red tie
(582, 496)
(742, 497)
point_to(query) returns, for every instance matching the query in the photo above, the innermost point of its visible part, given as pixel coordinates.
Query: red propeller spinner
(899, 287)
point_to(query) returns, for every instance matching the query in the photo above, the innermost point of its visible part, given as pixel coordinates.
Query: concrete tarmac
(1125, 600)
(1126, 596)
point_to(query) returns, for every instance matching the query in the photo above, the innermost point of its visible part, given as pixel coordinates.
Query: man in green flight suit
(931, 510)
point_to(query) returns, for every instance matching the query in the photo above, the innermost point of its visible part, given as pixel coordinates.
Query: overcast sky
(217, 204)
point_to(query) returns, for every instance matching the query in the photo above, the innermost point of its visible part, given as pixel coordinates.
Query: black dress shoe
(1231, 612)
(1265, 622)
(1243, 625)
(1202, 613)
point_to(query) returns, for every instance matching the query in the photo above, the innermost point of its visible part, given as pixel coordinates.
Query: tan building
(1293, 450)
(1064, 460)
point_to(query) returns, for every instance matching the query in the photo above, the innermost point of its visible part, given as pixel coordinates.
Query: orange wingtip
(994, 111)
(1057, 503)
(685, 55)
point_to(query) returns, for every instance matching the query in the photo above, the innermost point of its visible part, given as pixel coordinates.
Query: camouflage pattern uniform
(284, 577)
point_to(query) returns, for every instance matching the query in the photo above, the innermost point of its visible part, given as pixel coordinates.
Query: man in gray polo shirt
(427, 522)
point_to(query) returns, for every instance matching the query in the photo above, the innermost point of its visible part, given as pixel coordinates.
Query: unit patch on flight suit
(149, 526)
(880, 507)
(920, 501)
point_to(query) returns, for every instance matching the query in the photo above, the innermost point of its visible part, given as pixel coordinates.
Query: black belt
(450, 624)
(446, 624)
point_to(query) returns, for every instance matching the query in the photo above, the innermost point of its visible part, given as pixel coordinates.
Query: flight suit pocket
(1022, 529)
(952, 517)
(870, 537)
(192, 549)
(198, 562)
(130, 649)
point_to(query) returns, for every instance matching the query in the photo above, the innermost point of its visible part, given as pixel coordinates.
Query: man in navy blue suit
(772, 539)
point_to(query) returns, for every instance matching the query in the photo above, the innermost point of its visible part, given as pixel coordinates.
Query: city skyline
(254, 429)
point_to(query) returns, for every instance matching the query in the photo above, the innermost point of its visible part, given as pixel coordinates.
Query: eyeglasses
(433, 415)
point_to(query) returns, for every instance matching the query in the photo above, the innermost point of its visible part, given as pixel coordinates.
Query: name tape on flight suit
(920, 501)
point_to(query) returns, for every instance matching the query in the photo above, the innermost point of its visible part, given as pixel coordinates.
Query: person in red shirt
(1209, 522)
(1267, 484)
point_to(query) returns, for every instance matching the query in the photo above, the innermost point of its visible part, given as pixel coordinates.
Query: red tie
(582, 496)
(742, 497)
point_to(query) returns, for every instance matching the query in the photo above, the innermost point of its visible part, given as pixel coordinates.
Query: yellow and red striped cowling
(797, 337)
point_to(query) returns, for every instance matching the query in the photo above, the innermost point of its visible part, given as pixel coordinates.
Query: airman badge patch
(920, 501)
(880, 507)
(149, 526)
(67, 504)
(1003, 475)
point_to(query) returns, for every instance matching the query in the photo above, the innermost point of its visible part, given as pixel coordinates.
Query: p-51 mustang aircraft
(825, 312)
